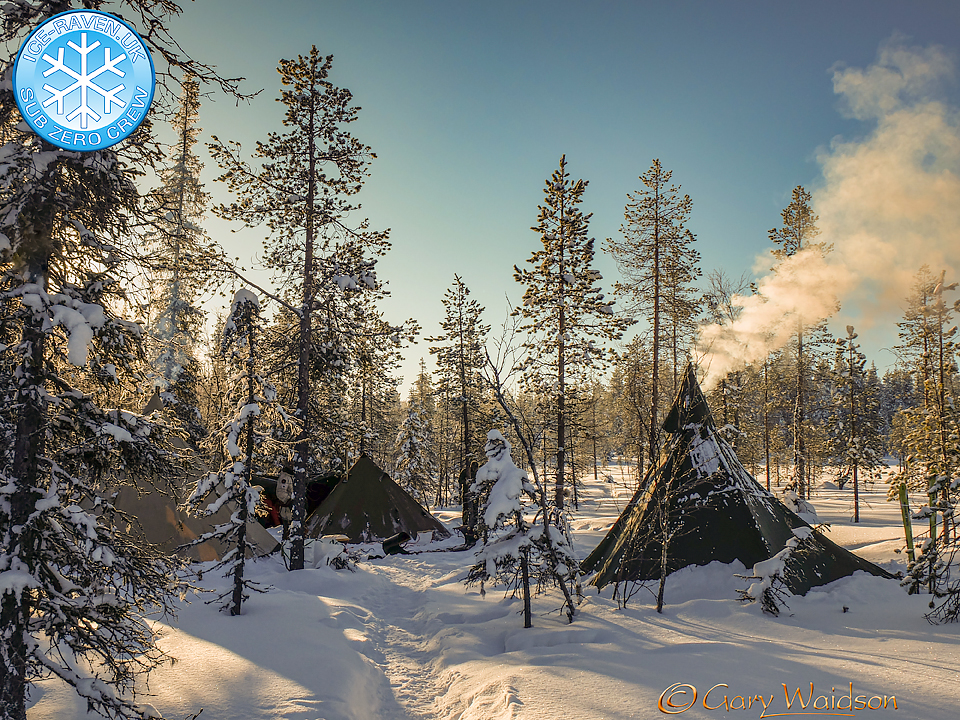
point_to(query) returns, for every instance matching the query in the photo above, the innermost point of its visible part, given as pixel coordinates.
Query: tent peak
(689, 406)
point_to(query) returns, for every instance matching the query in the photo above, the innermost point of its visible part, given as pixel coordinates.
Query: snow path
(402, 638)
(396, 621)
(433, 639)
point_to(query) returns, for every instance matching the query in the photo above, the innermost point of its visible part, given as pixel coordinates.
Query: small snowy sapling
(515, 547)
(253, 396)
(771, 588)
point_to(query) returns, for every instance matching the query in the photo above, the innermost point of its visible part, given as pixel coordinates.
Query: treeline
(816, 403)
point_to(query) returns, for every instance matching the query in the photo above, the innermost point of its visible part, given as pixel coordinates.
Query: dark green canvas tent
(702, 497)
(368, 506)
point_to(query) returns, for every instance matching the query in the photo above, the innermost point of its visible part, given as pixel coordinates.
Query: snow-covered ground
(402, 638)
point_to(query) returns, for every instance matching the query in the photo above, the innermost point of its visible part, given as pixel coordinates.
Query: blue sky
(469, 106)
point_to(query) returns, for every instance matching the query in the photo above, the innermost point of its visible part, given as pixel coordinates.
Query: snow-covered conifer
(516, 549)
(180, 252)
(771, 589)
(416, 466)
(253, 397)
(74, 586)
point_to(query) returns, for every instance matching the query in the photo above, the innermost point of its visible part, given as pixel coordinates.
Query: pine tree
(254, 398)
(933, 438)
(563, 310)
(460, 359)
(75, 587)
(302, 191)
(856, 433)
(659, 263)
(796, 235)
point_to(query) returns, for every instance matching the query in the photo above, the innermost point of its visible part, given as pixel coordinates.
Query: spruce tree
(375, 413)
(302, 190)
(658, 260)
(558, 566)
(179, 252)
(75, 586)
(253, 398)
(897, 393)
(416, 465)
(856, 439)
(563, 310)
(508, 536)
(517, 551)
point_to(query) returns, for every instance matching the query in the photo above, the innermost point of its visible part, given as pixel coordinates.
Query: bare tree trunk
(766, 419)
(655, 378)
(237, 600)
(596, 470)
(525, 581)
(302, 449)
(664, 512)
(799, 448)
(942, 412)
(561, 379)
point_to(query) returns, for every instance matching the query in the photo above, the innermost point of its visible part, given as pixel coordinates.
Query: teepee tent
(368, 506)
(155, 517)
(703, 505)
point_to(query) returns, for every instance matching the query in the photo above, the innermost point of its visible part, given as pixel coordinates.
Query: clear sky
(469, 106)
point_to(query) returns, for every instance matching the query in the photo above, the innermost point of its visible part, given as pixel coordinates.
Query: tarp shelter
(159, 520)
(713, 510)
(368, 506)
(318, 488)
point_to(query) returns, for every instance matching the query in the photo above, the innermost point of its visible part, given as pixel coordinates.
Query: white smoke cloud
(889, 202)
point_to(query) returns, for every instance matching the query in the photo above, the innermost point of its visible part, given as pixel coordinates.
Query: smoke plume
(888, 202)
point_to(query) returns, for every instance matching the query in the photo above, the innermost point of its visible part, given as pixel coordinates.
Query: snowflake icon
(84, 81)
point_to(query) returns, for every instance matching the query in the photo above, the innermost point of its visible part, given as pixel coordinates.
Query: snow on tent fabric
(717, 511)
(369, 506)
